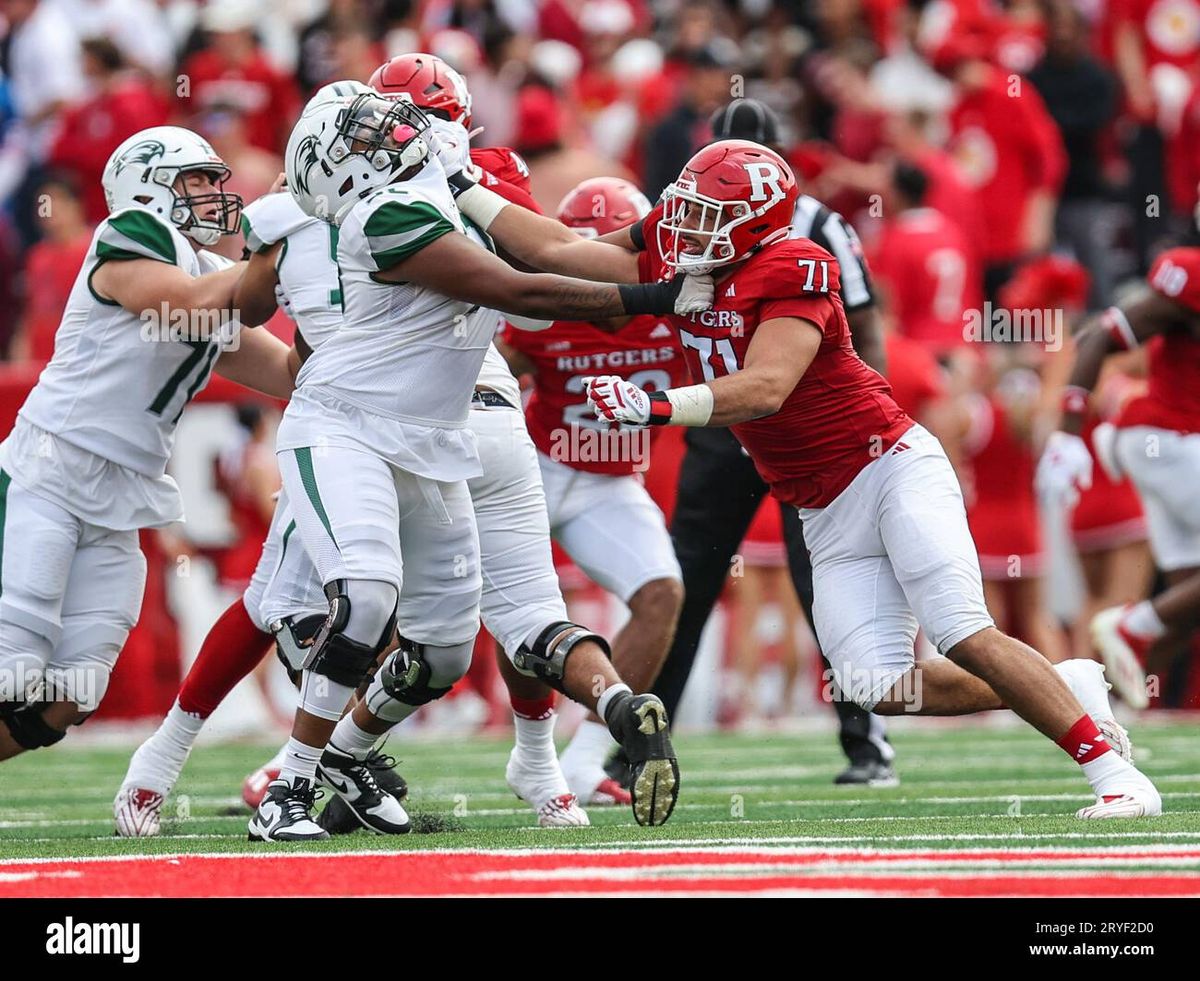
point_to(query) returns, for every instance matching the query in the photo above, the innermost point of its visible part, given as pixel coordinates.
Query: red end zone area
(1158, 870)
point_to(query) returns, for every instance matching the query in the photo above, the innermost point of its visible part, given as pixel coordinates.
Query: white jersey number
(707, 348)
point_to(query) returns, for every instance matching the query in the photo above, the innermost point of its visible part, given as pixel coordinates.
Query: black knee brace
(336, 656)
(549, 663)
(405, 676)
(26, 725)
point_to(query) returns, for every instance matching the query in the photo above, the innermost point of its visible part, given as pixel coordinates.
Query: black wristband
(637, 235)
(650, 297)
(460, 182)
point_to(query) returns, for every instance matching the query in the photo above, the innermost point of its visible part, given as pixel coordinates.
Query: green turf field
(961, 786)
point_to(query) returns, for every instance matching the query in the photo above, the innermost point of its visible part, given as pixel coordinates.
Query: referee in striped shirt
(708, 528)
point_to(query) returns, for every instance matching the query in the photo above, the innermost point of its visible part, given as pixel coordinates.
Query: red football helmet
(434, 86)
(601, 205)
(731, 199)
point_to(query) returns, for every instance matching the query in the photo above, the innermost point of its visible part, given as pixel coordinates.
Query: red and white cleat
(136, 812)
(1131, 795)
(608, 793)
(1122, 806)
(542, 785)
(254, 787)
(1123, 654)
(562, 811)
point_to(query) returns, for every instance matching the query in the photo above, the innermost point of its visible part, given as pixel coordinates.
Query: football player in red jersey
(1156, 442)
(882, 511)
(600, 511)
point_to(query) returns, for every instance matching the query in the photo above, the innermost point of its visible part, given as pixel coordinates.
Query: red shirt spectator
(1010, 150)
(235, 72)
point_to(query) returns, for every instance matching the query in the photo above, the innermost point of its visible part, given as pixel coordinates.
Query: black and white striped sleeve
(831, 231)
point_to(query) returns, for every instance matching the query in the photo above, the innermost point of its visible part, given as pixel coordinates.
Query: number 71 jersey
(839, 417)
(119, 381)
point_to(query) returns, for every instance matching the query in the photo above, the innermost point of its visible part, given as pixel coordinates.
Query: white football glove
(614, 399)
(1064, 469)
(696, 295)
(451, 144)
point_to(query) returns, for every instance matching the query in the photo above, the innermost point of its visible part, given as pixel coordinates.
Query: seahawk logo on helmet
(141, 153)
(145, 171)
(345, 147)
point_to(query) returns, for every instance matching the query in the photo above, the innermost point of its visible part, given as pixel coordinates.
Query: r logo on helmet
(763, 174)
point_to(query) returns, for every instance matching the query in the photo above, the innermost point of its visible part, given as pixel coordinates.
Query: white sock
(300, 760)
(589, 747)
(276, 761)
(350, 739)
(535, 739)
(610, 693)
(157, 763)
(1107, 772)
(1085, 679)
(1141, 619)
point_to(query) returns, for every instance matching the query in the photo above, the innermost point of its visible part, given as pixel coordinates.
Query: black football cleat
(639, 723)
(869, 773)
(285, 813)
(353, 780)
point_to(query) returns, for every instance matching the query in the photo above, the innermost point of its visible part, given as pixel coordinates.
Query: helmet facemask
(186, 208)
(688, 214)
(388, 132)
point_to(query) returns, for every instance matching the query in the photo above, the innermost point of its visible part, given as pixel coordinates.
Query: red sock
(1084, 742)
(534, 709)
(232, 649)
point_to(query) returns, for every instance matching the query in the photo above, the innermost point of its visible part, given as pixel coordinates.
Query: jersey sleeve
(1176, 275)
(798, 281)
(398, 229)
(503, 163)
(135, 234)
(270, 220)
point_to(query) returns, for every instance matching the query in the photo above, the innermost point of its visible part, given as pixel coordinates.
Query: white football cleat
(136, 812)
(544, 788)
(562, 811)
(1119, 652)
(1135, 796)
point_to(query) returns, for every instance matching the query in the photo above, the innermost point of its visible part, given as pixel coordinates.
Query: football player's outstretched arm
(146, 287)
(1065, 467)
(1116, 329)
(542, 242)
(456, 267)
(261, 361)
(779, 353)
(254, 298)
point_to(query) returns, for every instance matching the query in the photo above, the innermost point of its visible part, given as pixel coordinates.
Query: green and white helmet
(344, 147)
(142, 173)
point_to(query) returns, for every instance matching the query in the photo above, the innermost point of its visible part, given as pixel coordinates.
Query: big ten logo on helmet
(763, 175)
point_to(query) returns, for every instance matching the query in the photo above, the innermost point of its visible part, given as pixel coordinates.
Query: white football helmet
(143, 173)
(344, 148)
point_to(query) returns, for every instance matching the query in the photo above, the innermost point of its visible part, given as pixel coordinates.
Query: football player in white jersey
(375, 456)
(149, 318)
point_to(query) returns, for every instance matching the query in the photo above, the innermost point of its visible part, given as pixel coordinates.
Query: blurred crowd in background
(992, 155)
